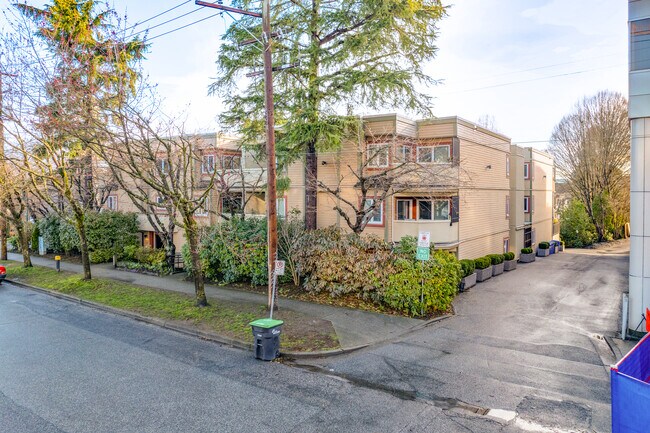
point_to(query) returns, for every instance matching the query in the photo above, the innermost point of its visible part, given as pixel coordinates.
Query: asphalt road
(526, 343)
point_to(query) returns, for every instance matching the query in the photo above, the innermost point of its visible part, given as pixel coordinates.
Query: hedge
(496, 259)
(482, 262)
(544, 245)
(509, 255)
(526, 250)
(467, 267)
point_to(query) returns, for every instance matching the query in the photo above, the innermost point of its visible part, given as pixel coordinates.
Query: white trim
(371, 221)
(372, 159)
(526, 204)
(410, 209)
(433, 154)
(204, 166)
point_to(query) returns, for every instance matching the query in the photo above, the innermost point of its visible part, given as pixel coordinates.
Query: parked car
(3, 273)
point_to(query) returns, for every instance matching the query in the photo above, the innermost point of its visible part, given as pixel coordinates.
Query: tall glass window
(640, 45)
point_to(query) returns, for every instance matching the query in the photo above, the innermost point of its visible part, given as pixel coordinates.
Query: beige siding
(432, 129)
(406, 127)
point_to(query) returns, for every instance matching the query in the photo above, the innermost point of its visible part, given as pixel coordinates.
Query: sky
(522, 63)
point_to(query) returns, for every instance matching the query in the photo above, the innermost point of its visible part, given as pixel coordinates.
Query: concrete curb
(209, 336)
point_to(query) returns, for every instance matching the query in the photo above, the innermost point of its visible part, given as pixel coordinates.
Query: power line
(156, 16)
(167, 22)
(182, 27)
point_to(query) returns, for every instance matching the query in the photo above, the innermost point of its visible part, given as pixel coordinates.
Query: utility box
(266, 335)
(630, 379)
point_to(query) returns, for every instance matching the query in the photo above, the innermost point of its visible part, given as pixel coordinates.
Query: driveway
(528, 342)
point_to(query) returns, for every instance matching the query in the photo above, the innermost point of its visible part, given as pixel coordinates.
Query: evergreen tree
(328, 56)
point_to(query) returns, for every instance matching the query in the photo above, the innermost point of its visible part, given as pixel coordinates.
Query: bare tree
(591, 147)
(14, 189)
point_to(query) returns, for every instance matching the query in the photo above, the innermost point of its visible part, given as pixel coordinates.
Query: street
(526, 343)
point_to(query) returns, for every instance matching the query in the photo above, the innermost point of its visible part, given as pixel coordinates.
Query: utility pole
(271, 193)
(4, 227)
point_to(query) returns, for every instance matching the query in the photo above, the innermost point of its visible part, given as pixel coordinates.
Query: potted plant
(497, 264)
(543, 249)
(483, 268)
(509, 264)
(469, 276)
(527, 255)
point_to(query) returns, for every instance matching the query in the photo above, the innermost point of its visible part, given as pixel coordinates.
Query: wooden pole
(4, 227)
(271, 194)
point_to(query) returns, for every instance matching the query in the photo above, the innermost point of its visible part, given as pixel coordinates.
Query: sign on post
(424, 243)
(279, 267)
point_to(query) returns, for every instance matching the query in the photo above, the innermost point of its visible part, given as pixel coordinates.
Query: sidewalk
(353, 327)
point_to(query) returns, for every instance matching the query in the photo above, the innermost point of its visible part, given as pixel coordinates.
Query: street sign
(279, 267)
(424, 240)
(422, 253)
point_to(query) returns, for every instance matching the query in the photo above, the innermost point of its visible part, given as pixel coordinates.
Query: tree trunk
(4, 228)
(311, 187)
(24, 240)
(83, 246)
(192, 235)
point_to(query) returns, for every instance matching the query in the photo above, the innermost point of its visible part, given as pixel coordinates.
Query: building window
(163, 165)
(111, 202)
(377, 155)
(232, 162)
(424, 210)
(506, 245)
(434, 154)
(441, 210)
(208, 164)
(281, 207)
(507, 206)
(160, 202)
(403, 153)
(640, 45)
(526, 204)
(376, 217)
(404, 209)
(203, 211)
(533, 237)
(231, 204)
(507, 165)
(526, 170)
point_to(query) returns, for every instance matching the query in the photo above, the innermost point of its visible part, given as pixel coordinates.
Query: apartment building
(473, 190)
(469, 187)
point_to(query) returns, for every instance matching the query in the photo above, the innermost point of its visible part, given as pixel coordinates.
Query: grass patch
(230, 319)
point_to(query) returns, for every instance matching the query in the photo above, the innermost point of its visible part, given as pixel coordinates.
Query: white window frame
(417, 209)
(203, 211)
(109, 199)
(281, 207)
(507, 165)
(526, 204)
(162, 163)
(433, 154)
(526, 170)
(371, 222)
(507, 207)
(232, 158)
(433, 209)
(206, 166)
(402, 152)
(160, 202)
(373, 161)
(410, 209)
(506, 245)
(226, 196)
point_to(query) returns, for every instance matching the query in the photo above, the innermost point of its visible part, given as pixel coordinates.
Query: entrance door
(528, 237)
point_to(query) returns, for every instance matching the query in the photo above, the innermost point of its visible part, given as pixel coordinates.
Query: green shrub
(576, 228)
(14, 243)
(441, 275)
(34, 241)
(340, 263)
(111, 231)
(49, 228)
(101, 256)
(467, 267)
(526, 250)
(407, 246)
(544, 245)
(509, 255)
(482, 263)
(496, 259)
(145, 258)
(68, 237)
(233, 251)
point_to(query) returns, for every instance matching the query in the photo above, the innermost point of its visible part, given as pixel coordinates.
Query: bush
(101, 256)
(495, 259)
(441, 276)
(68, 237)
(509, 255)
(34, 239)
(544, 245)
(467, 267)
(482, 262)
(49, 228)
(341, 263)
(145, 258)
(233, 251)
(526, 250)
(576, 228)
(14, 243)
(111, 231)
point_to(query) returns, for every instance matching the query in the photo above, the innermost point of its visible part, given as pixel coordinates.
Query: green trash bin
(266, 334)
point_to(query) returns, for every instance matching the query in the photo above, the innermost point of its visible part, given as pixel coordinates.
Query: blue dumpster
(554, 246)
(631, 390)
